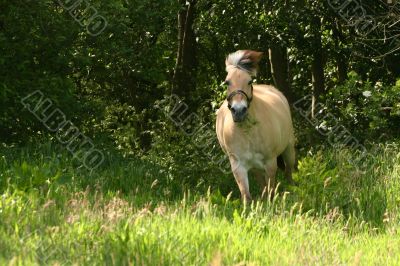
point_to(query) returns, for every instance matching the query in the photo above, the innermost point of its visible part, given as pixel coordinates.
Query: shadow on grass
(328, 184)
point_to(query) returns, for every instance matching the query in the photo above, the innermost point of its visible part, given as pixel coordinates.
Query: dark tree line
(110, 83)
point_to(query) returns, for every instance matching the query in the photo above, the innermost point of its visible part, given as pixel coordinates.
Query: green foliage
(331, 182)
(108, 85)
(124, 125)
(366, 109)
(44, 48)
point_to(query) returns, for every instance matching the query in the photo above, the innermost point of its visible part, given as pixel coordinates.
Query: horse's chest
(250, 148)
(253, 159)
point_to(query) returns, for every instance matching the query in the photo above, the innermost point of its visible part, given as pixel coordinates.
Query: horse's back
(273, 105)
(271, 96)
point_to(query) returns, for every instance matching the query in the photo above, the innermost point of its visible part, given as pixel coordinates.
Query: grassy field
(131, 212)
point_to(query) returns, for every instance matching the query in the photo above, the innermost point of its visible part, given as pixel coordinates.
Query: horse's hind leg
(289, 158)
(281, 163)
(270, 171)
(260, 178)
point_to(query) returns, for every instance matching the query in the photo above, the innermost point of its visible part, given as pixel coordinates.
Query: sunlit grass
(129, 213)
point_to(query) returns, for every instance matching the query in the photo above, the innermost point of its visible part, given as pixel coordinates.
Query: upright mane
(245, 60)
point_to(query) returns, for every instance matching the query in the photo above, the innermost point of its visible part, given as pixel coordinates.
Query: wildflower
(367, 94)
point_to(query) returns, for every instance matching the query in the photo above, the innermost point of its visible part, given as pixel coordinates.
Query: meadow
(129, 212)
(139, 83)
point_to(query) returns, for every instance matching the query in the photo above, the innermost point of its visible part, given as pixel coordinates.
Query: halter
(249, 99)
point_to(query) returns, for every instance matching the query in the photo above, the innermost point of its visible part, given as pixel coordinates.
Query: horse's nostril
(241, 110)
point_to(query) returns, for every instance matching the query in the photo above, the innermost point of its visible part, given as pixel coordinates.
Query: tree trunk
(279, 70)
(317, 65)
(268, 74)
(185, 67)
(341, 62)
(219, 68)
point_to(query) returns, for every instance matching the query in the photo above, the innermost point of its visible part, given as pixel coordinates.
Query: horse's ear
(254, 56)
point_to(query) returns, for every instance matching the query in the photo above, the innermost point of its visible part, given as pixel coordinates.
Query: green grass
(132, 212)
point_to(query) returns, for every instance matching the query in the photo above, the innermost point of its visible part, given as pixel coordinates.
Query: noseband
(230, 96)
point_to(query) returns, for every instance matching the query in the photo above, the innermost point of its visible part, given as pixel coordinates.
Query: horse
(254, 126)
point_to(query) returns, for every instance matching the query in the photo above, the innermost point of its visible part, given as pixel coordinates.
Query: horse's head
(241, 67)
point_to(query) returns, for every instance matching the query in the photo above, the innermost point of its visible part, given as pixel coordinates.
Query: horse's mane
(242, 60)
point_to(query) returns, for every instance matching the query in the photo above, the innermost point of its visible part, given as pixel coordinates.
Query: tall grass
(131, 212)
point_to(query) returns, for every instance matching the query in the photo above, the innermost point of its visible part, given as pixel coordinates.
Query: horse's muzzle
(239, 112)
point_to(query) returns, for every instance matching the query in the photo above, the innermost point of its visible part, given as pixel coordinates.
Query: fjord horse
(254, 125)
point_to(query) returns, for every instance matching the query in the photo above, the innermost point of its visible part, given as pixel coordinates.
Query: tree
(185, 68)
(279, 70)
(317, 64)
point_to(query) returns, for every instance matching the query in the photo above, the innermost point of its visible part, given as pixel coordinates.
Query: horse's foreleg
(241, 177)
(270, 171)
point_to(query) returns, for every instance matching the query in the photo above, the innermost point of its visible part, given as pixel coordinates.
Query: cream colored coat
(257, 142)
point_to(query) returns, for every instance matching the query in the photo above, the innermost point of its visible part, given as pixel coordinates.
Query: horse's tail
(281, 163)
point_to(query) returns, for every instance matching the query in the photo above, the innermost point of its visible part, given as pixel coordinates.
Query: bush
(367, 110)
(330, 181)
